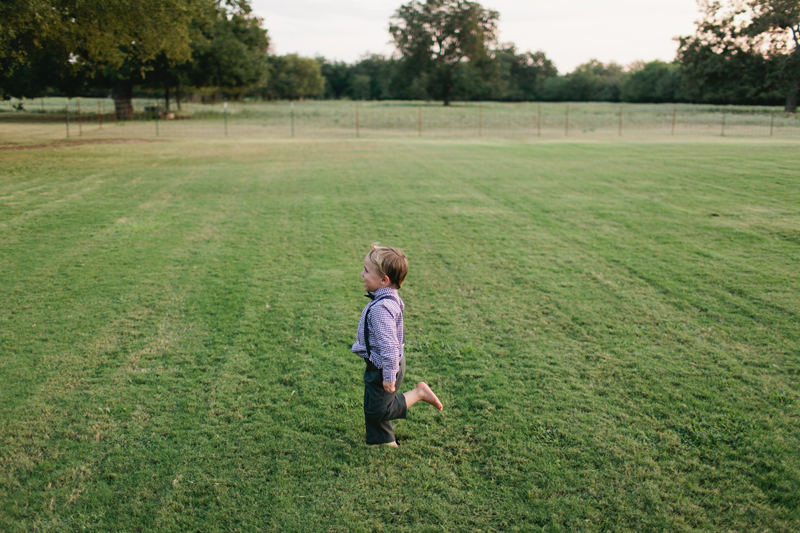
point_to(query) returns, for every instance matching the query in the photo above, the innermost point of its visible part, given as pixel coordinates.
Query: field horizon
(611, 326)
(511, 121)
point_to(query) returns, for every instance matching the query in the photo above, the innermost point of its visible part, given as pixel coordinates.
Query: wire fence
(96, 118)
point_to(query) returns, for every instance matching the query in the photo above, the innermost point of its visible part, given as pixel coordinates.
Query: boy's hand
(388, 386)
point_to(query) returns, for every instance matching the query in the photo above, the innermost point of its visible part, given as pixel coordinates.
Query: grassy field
(612, 327)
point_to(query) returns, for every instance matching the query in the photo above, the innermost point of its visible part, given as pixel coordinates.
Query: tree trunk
(123, 102)
(791, 98)
(447, 85)
(166, 97)
(178, 96)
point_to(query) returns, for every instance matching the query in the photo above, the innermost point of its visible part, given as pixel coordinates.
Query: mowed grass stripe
(674, 225)
(610, 354)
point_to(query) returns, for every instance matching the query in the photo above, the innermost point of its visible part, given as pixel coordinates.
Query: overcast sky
(570, 32)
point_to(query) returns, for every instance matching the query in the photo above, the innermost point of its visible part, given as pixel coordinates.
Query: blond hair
(390, 262)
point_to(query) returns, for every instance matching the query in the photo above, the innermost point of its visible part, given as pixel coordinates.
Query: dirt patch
(58, 144)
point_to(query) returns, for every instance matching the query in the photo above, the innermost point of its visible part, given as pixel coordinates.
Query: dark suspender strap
(366, 323)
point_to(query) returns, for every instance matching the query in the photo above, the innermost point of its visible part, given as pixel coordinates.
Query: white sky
(570, 32)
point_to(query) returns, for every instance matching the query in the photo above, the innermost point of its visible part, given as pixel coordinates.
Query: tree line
(743, 52)
(514, 77)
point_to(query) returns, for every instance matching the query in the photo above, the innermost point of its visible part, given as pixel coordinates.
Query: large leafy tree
(293, 77)
(435, 36)
(40, 71)
(336, 74)
(226, 50)
(776, 23)
(114, 40)
(524, 74)
(118, 44)
(653, 82)
(230, 52)
(371, 78)
(478, 81)
(29, 29)
(743, 52)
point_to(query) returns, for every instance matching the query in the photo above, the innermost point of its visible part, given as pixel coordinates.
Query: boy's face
(372, 280)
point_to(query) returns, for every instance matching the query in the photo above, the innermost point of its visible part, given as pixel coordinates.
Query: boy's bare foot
(393, 444)
(424, 393)
(429, 396)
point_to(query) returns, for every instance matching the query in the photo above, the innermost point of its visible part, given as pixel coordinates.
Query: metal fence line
(396, 119)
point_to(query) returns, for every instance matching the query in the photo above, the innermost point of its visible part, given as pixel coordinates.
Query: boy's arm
(383, 329)
(358, 346)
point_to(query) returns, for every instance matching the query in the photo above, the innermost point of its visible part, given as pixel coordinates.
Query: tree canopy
(75, 44)
(230, 51)
(293, 77)
(433, 38)
(68, 42)
(744, 52)
(653, 82)
(27, 27)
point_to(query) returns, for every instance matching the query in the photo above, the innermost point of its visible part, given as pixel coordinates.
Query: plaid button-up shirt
(386, 335)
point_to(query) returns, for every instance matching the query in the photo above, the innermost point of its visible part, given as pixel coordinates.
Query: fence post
(620, 120)
(156, 118)
(674, 112)
(358, 133)
(723, 123)
(41, 100)
(225, 117)
(539, 121)
(771, 121)
(480, 120)
(99, 115)
(566, 122)
(292, 114)
(66, 111)
(419, 121)
(80, 126)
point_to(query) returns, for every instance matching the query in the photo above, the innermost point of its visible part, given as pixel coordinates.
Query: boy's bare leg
(424, 393)
(420, 392)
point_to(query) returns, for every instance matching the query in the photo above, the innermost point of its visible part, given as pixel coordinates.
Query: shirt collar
(383, 291)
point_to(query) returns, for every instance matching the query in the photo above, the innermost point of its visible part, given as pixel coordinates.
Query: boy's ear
(385, 279)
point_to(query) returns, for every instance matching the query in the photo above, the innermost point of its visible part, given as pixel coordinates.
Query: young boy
(379, 340)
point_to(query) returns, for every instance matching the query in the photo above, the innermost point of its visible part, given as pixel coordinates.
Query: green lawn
(612, 327)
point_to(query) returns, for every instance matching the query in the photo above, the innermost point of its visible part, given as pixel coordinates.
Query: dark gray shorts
(380, 407)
